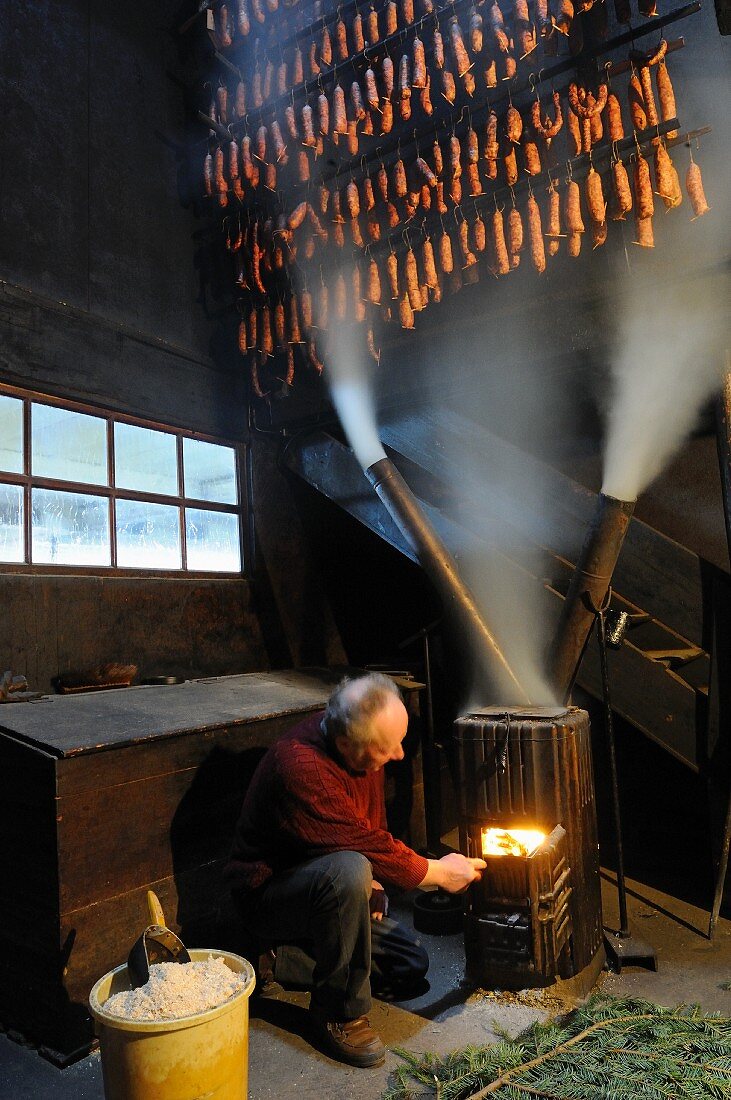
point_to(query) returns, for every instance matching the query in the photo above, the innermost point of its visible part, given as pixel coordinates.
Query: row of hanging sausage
(397, 286)
(341, 40)
(499, 152)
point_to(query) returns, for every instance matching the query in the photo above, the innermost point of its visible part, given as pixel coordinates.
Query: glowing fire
(513, 842)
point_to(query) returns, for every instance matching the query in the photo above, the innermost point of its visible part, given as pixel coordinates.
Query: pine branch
(500, 1081)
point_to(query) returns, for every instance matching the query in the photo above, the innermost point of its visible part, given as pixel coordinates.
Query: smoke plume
(667, 364)
(352, 395)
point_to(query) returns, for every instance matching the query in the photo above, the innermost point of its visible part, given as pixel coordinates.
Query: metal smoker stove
(527, 807)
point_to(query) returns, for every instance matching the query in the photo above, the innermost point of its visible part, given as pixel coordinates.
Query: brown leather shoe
(351, 1041)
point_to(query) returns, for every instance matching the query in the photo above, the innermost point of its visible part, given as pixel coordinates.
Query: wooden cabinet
(106, 795)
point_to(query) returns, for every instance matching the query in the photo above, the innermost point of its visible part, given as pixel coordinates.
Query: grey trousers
(317, 916)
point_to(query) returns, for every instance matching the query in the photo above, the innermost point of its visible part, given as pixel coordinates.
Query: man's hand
(379, 901)
(453, 872)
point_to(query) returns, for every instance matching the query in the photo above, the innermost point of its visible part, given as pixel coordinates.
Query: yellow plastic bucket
(200, 1057)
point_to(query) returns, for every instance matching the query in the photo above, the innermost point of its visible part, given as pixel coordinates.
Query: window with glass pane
(67, 445)
(209, 471)
(11, 434)
(145, 460)
(212, 541)
(69, 528)
(11, 523)
(148, 535)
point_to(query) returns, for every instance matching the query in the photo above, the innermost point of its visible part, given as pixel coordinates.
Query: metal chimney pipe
(441, 567)
(587, 590)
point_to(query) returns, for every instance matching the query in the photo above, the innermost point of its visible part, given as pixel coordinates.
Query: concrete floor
(283, 1062)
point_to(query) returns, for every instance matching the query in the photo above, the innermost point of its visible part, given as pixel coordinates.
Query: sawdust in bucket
(152, 1052)
(178, 989)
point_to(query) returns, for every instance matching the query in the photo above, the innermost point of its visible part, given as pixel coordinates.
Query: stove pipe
(441, 568)
(587, 590)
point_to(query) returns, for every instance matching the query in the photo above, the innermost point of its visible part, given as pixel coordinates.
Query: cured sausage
(513, 124)
(499, 248)
(426, 172)
(426, 103)
(666, 96)
(595, 203)
(371, 89)
(341, 40)
(510, 165)
(374, 33)
(644, 235)
(455, 153)
(340, 118)
(449, 88)
(473, 180)
(636, 103)
(667, 183)
(357, 31)
(553, 229)
(644, 204)
(419, 70)
(359, 306)
(572, 208)
(531, 156)
(515, 236)
(392, 273)
(405, 311)
(429, 264)
(613, 118)
(461, 56)
(694, 187)
(388, 77)
(621, 191)
(308, 131)
(438, 53)
(535, 235)
(446, 260)
(475, 31)
(374, 283)
(479, 234)
(411, 278)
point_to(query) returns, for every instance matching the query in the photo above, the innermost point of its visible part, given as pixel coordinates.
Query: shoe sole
(357, 1063)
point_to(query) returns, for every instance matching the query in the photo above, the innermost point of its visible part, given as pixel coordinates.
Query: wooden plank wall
(187, 627)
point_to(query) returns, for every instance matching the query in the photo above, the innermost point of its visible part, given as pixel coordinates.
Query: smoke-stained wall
(109, 294)
(92, 227)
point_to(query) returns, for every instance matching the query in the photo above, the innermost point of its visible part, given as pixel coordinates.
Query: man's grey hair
(353, 704)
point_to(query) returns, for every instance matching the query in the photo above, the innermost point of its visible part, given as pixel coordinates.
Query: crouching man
(310, 853)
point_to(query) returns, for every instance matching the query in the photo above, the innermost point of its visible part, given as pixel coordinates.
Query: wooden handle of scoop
(155, 909)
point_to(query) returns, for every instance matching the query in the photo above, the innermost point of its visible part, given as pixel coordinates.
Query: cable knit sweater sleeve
(323, 808)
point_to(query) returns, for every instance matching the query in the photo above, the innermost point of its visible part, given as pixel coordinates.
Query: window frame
(111, 492)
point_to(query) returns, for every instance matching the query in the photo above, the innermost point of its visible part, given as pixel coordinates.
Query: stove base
(575, 988)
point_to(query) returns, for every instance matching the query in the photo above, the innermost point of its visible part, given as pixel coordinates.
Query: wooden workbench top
(69, 725)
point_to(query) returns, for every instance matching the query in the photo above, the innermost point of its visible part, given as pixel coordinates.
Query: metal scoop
(157, 944)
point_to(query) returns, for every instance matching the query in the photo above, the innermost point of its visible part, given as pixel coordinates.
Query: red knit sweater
(303, 802)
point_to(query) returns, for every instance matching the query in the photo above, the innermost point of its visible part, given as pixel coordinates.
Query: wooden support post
(723, 423)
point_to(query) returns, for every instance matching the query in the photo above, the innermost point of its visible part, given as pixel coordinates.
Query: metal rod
(587, 590)
(723, 436)
(439, 564)
(431, 763)
(616, 813)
